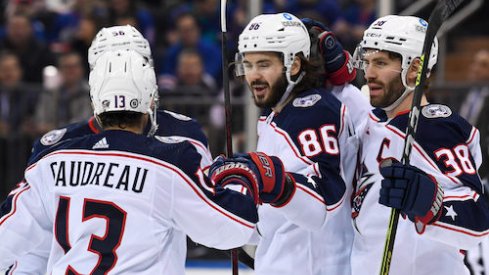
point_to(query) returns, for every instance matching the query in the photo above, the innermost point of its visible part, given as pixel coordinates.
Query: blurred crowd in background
(44, 69)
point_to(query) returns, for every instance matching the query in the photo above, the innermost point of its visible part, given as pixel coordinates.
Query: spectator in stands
(475, 109)
(326, 11)
(34, 10)
(121, 10)
(17, 107)
(194, 84)
(17, 99)
(354, 21)
(189, 37)
(208, 15)
(33, 54)
(86, 31)
(68, 103)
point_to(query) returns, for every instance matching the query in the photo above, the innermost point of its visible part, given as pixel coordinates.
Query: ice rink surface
(214, 268)
(208, 268)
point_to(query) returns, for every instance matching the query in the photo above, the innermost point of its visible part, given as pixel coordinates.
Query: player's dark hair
(314, 77)
(393, 55)
(120, 119)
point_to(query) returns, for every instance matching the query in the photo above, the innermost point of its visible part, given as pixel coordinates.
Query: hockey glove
(337, 61)
(228, 172)
(412, 191)
(269, 179)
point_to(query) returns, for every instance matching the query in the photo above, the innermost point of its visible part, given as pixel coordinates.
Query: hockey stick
(442, 10)
(227, 108)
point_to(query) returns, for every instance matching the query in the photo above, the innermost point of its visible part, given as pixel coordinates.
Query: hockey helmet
(118, 38)
(124, 81)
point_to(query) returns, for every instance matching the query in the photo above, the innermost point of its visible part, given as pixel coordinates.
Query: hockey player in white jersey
(310, 130)
(168, 125)
(122, 202)
(439, 190)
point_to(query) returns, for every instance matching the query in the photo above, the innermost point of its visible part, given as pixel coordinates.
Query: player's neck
(135, 129)
(405, 105)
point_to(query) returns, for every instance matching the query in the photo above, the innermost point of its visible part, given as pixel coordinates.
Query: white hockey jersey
(312, 234)
(120, 203)
(447, 149)
(172, 127)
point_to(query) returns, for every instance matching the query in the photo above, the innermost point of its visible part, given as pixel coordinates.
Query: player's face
(264, 74)
(383, 75)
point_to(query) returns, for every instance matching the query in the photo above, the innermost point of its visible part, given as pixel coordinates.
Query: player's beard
(391, 93)
(270, 99)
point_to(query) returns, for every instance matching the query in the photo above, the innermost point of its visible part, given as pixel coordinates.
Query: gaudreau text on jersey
(111, 175)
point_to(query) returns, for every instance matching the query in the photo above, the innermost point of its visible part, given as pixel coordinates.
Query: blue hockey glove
(339, 69)
(412, 191)
(265, 173)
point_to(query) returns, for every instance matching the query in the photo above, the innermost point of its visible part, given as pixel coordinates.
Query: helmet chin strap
(152, 113)
(289, 88)
(407, 89)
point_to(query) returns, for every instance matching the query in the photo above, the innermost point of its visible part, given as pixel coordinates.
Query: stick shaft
(227, 109)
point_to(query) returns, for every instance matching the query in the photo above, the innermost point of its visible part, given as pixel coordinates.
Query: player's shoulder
(127, 144)
(70, 131)
(438, 125)
(311, 109)
(315, 100)
(174, 124)
(439, 120)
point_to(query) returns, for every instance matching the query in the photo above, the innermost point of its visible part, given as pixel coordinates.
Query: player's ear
(412, 74)
(296, 66)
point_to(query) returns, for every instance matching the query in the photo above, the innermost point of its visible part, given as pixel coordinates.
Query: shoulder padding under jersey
(173, 124)
(52, 137)
(124, 141)
(310, 110)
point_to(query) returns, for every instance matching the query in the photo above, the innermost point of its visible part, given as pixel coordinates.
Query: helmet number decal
(254, 26)
(119, 101)
(119, 32)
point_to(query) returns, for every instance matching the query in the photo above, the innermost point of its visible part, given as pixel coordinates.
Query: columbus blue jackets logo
(306, 101)
(53, 137)
(436, 111)
(366, 183)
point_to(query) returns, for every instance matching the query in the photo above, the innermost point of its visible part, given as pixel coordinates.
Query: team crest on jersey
(53, 137)
(306, 101)
(366, 183)
(178, 116)
(436, 111)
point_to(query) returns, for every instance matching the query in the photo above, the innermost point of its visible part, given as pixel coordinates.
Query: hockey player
(310, 130)
(122, 202)
(174, 127)
(439, 192)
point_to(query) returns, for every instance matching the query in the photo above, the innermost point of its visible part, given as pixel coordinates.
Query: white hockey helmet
(283, 33)
(400, 34)
(403, 35)
(118, 38)
(123, 80)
